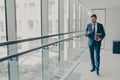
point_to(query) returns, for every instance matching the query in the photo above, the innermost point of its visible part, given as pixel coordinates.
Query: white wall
(112, 26)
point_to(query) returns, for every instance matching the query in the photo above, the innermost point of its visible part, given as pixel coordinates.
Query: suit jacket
(100, 29)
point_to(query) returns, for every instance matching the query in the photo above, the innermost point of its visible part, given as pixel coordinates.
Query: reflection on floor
(109, 70)
(74, 76)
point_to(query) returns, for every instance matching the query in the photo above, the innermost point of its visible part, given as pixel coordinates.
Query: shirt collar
(95, 23)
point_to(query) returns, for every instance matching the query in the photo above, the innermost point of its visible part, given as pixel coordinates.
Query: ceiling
(101, 3)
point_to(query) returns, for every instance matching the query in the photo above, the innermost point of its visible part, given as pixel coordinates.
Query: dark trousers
(95, 61)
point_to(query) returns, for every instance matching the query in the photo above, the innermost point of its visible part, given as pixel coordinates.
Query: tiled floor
(109, 70)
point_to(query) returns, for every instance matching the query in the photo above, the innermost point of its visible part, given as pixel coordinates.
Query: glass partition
(30, 66)
(84, 22)
(74, 23)
(53, 61)
(28, 20)
(28, 16)
(66, 15)
(80, 17)
(53, 16)
(66, 26)
(3, 49)
(53, 29)
(4, 70)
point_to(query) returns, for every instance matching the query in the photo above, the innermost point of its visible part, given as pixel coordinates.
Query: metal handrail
(41, 47)
(35, 38)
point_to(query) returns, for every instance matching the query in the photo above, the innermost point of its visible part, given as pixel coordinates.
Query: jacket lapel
(98, 28)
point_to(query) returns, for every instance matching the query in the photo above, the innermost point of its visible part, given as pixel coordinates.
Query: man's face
(93, 19)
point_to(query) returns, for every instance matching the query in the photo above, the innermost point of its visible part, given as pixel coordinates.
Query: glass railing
(4, 70)
(30, 66)
(30, 61)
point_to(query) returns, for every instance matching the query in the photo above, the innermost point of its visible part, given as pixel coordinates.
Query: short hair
(94, 15)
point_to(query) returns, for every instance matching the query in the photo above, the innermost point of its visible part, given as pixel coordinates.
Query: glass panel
(53, 61)
(86, 18)
(83, 40)
(53, 57)
(53, 29)
(28, 22)
(53, 16)
(28, 14)
(66, 22)
(74, 23)
(28, 18)
(66, 15)
(4, 70)
(68, 63)
(74, 16)
(82, 18)
(3, 49)
(79, 17)
(28, 45)
(30, 66)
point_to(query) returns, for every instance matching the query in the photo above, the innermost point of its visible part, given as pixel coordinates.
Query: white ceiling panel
(101, 3)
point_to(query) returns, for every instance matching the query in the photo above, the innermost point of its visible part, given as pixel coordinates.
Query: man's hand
(99, 39)
(89, 31)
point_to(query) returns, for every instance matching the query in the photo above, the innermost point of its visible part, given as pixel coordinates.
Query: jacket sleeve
(88, 34)
(103, 32)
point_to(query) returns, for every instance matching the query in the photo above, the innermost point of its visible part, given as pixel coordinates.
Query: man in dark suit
(95, 33)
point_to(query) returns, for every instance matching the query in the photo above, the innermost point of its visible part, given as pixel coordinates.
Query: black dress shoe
(92, 70)
(97, 72)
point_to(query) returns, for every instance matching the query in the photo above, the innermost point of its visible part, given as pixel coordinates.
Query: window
(66, 15)
(1, 10)
(32, 4)
(28, 17)
(3, 49)
(53, 29)
(74, 25)
(53, 15)
(1, 26)
(50, 26)
(79, 17)
(2, 22)
(66, 22)
(30, 24)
